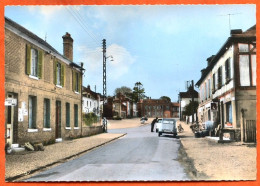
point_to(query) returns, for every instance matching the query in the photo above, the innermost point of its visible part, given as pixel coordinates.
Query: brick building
(159, 108)
(42, 88)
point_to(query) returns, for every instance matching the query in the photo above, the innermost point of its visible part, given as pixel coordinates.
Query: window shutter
(28, 59)
(55, 72)
(62, 75)
(40, 61)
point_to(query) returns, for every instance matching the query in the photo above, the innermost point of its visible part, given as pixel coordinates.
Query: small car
(157, 124)
(168, 126)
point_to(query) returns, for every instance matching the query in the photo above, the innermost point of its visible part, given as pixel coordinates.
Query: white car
(157, 124)
(168, 126)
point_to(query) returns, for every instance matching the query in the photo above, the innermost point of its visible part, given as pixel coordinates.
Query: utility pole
(104, 83)
(192, 99)
(104, 75)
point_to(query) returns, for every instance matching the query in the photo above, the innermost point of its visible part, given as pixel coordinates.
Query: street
(138, 156)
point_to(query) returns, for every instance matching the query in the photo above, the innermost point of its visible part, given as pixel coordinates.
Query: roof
(88, 90)
(189, 94)
(248, 35)
(38, 39)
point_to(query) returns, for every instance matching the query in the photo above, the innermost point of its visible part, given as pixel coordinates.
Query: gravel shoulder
(208, 160)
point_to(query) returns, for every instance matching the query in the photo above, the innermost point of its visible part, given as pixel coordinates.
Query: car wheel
(159, 134)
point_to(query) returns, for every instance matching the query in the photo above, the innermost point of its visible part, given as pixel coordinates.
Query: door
(10, 121)
(58, 120)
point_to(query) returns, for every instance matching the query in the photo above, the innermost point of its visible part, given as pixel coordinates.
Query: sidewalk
(215, 161)
(24, 163)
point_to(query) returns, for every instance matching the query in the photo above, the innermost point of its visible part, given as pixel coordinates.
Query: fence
(250, 131)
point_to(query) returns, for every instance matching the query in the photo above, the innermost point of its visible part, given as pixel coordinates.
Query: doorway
(10, 120)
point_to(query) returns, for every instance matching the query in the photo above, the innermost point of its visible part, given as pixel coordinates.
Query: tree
(126, 91)
(165, 98)
(138, 92)
(188, 109)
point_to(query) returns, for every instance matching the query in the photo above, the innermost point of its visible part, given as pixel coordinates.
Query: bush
(90, 118)
(117, 118)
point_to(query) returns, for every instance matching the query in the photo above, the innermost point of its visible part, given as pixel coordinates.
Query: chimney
(210, 59)
(68, 46)
(202, 71)
(235, 31)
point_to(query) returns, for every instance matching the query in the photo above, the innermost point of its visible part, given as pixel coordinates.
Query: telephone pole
(104, 75)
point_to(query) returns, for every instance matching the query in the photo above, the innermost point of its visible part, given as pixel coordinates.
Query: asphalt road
(139, 156)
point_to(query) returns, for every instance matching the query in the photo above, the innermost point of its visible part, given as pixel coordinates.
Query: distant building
(159, 108)
(185, 98)
(228, 86)
(90, 101)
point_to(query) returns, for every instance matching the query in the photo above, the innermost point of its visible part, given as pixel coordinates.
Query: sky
(161, 46)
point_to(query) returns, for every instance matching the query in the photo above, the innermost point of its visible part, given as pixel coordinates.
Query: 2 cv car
(168, 126)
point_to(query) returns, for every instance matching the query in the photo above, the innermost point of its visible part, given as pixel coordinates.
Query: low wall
(91, 130)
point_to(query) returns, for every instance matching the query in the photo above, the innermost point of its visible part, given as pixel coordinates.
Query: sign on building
(10, 102)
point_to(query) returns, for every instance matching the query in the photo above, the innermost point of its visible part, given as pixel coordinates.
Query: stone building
(42, 88)
(159, 108)
(228, 85)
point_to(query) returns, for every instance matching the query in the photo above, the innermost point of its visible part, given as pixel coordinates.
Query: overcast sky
(160, 46)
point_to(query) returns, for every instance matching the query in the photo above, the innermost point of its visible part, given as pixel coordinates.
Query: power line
(83, 26)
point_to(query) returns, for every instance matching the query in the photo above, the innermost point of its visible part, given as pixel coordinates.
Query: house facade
(90, 101)
(231, 76)
(185, 98)
(159, 108)
(42, 88)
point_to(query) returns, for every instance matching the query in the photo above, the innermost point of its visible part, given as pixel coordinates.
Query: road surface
(139, 156)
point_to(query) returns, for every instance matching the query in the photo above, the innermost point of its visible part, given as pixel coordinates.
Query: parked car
(168, 126)
(157, 124)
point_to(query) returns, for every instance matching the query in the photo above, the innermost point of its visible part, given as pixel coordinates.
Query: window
(59, 74)
(219, 77)
(214, 83)
(243, 47)
(228, 70)
(206, 91)
(67, 115)
(244, 70)
(76, 115)
(34, 59)
(209, 90)
(32, 112)
(247, 65)
(229, 112)
(253, 59)
(46, 113)
(76, 81)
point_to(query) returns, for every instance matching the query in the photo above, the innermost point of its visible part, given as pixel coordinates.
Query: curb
(13, 178)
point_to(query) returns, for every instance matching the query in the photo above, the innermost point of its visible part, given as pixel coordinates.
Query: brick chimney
(68, 46)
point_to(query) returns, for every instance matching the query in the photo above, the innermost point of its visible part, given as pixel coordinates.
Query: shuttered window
(67, 115)
(59, 75)
(76, 81)
(46, 111)
(32, 112)
(228, 69)
(76, 115)
(34, 61)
